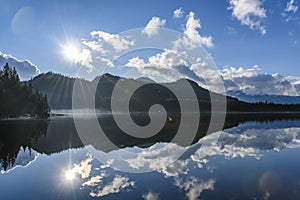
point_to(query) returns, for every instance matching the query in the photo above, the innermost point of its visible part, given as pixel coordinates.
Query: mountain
(59, 90)
(145, 80)
(278, 99)
(25, 68)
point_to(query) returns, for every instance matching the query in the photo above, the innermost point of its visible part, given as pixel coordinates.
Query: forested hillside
(18, 98)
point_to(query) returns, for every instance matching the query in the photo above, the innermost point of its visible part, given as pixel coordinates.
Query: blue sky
(36, 30)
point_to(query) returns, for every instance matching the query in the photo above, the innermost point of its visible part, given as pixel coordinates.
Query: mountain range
(278, 99)
(59, 90)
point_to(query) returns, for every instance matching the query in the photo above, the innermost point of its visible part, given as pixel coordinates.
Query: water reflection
(23, 136)
(16, 140)
(258, 159)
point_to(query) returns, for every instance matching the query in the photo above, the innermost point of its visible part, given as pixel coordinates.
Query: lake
(249, 159)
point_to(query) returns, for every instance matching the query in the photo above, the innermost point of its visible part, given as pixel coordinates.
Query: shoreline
(275, 113)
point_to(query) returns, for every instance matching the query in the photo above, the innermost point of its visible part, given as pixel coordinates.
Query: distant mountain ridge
(278, 99)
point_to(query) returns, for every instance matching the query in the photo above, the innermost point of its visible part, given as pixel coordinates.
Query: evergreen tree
(17, 99)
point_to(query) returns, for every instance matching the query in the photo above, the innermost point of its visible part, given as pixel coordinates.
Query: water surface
(249, 160)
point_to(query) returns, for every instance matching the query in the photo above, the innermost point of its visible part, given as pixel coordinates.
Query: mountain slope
(278, 99)
(59, 91)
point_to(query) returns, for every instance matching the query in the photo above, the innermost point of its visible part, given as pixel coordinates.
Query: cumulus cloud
(291, 6)
(95, 46)
(178, 13)
(170, 65)
(159, 159)
(295, 81)
(116, 41)
(153, 26)
(83, 168)
(192, 37)
(195, 187)
(191, 32)
(290, 11)
(167, 59)
(25, 68)
(249, 13)
(151, 196)
(252, 81)
(85, 59)
(118, 184)
(93, 181)
(248, 141)
(162, 64)
(100, 50)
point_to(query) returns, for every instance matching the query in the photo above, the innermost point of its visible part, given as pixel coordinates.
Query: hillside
(59, 89)
(19, 99)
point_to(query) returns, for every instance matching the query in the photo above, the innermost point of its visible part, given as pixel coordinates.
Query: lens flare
(70, 51)
(70, 175)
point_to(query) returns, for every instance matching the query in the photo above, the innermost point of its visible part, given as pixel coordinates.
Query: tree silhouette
(17, 98)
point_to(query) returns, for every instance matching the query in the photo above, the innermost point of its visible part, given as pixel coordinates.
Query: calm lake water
(249, 160)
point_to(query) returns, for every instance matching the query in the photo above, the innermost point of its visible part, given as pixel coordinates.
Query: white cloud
(159, 159)
(195, 187)
(25, 68)
(251, 140)
(191, 32)
(151, 196)
(291, 6)
(161, 65)
(295, 81)
(178, 13)
(192, 37)
(290, 11)
(249, 13)
(169, 65)
(100, 50)
(85, 59)
(252, 81)
(84, 167)
(118, 184)
(153, 26)
(167, 59)
(116, 41)
(93, 181)
(95, 46)
(246, 141)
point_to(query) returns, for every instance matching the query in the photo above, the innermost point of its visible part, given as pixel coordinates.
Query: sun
(70, 175)
(70, 51)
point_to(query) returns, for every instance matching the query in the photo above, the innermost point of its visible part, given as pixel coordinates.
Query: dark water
(247, 160)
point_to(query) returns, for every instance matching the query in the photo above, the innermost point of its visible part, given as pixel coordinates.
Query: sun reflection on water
(70, 175)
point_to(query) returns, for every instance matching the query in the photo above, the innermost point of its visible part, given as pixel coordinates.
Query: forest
(20, 98)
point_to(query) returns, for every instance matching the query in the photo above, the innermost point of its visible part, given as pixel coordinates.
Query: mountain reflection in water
(236, 162)
(59, 134)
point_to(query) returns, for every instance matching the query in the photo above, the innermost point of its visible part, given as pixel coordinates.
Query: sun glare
(70, 175)
(70, 51)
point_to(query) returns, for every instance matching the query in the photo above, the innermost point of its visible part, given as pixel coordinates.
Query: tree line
(20, 98)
